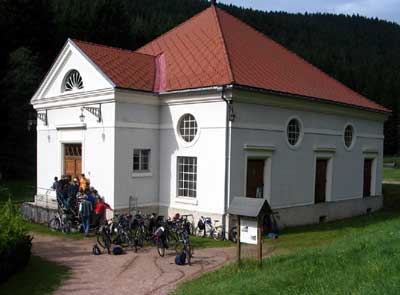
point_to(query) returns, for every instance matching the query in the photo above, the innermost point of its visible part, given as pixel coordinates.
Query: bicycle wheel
(233, 234)
(55, 224)
(198, 232)
(218, 233)
(104, 240)
(160, 248)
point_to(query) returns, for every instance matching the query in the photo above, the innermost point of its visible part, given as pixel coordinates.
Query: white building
(208, 111)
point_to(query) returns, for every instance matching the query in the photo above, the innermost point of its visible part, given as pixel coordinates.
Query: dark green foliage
(15, 244)
(12, 226)
(362, 53)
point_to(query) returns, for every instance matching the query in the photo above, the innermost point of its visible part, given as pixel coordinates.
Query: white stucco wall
(293, 170)
(97, 141)
(137, 128)
(208, 147)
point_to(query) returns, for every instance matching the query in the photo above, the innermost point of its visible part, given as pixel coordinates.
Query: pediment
(71, 59)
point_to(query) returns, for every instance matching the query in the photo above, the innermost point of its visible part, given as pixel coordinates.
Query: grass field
(40, 277)
(354, 256)
(391, 174)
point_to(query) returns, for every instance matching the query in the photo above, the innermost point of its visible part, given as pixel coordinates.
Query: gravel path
(132, 273)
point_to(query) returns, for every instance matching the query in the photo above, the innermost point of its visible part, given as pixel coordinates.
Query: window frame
(183, 135)
(65, 81)
(354, 136)
(140, 163)
(192, 191)
(301, 132)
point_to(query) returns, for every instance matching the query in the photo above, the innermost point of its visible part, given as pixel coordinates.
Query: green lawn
(45, 230)
(354, 256)
(391, 174)
(38, 278)
(19, 190)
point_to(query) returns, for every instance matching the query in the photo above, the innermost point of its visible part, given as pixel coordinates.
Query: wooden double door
(72, 159)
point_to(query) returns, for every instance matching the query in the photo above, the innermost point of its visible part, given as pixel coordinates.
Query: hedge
(15, 243)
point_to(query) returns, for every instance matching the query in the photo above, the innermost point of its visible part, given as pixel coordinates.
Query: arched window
(187, 127)
(73, 81)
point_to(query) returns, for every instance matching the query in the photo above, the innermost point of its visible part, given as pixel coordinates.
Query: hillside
(362, 53)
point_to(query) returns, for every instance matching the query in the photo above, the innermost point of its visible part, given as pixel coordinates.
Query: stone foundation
(325, 212)
(36, 213)
(286, 217)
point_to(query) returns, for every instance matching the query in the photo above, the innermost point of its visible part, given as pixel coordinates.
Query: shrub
(12, 226)
(15, 244)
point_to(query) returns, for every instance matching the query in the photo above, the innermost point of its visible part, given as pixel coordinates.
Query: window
(73, 81)
(187, 177)
(348, 136)
(141, 159)
(293, 132)
(188, 127)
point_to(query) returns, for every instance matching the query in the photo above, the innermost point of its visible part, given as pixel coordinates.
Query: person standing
(83, 181)
(100, 211)
(85, 211)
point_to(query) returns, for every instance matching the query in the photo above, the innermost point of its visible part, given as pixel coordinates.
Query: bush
(15, 244)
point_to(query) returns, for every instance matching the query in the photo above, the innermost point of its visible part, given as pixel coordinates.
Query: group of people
(77, 196)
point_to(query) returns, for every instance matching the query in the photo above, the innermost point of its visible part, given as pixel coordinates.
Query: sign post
(250, 214)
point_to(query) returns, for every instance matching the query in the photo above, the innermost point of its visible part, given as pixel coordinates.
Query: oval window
(293, 132)
(348, 136)
(187, 127)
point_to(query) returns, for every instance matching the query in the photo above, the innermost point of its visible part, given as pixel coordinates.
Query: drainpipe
(228, 135)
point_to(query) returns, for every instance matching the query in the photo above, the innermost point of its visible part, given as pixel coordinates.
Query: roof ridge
(174, 28)
(110, 47)
(228, 59)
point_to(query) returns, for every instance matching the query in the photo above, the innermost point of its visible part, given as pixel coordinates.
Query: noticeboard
(248, 231)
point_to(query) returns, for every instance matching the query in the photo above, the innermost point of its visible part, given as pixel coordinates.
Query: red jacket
(101, 207)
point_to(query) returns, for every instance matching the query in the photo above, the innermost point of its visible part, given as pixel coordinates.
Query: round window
(293, 132)
(348, 136)
(73, 81)
(188, 127)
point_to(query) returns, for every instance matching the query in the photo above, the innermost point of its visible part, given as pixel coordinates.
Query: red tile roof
(213, 48)
(126, 68)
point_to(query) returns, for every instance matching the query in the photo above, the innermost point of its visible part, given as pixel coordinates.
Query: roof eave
(304, 97)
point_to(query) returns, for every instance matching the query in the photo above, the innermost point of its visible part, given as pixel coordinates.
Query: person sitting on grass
(85, 211)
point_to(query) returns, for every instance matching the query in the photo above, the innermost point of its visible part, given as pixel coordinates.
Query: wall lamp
(95, 111)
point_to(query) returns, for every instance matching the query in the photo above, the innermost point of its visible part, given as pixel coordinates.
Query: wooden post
(238, 248)
(259, 239)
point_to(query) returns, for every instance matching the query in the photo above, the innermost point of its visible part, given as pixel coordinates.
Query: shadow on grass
(39, 277)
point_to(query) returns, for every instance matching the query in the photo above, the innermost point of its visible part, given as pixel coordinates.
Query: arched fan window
(73, 81)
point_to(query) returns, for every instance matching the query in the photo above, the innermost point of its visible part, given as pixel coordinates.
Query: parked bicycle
(206, 227)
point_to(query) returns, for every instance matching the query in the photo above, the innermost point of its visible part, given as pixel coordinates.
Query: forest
(363, 53)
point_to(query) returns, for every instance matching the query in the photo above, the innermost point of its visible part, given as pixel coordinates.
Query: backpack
(180, 258)
(117, 250)
(96, 250)
(201, 225)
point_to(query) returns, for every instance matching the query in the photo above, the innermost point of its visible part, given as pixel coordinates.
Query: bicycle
(103, 236)
(185, 246)
(207, 228)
